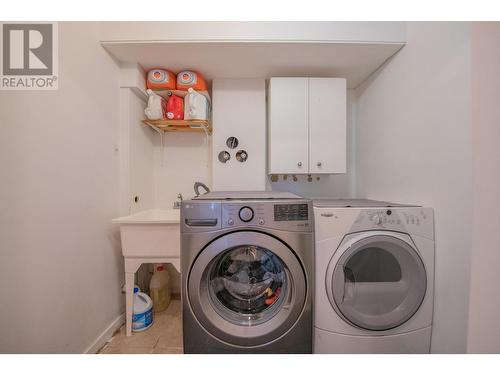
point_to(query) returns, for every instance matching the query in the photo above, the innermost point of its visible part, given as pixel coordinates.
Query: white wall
(414, 146)
(184, 159)
(484, 310)
(137, 142)
(60, 260)
(239, 111)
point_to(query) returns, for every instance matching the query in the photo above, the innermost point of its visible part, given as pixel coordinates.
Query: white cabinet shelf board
(354, 61)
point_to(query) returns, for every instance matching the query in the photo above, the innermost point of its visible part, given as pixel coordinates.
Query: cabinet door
(288, 126)
(327, 125)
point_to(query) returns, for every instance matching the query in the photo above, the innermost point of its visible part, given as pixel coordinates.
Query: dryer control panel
(396, 217)
(383, 216)
(417, 220)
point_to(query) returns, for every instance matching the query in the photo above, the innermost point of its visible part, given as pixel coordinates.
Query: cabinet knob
(299, 164)
(318, 164)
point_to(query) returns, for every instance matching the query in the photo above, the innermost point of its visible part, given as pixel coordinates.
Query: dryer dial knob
(246, 214)
(377, 219)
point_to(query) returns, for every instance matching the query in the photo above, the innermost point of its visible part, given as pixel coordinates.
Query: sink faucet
(177, 204)
(197, 186)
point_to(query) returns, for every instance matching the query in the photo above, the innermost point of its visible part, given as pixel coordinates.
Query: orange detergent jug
(175, 108)
(190, 78)
(160, 79)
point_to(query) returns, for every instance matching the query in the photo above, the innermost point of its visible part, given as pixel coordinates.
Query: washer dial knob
(377, 219)
(246, 214)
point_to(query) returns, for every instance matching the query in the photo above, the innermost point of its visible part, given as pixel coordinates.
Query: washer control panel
(293, 215)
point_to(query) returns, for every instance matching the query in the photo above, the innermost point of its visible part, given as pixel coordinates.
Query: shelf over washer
(354, 61)
(203, 126)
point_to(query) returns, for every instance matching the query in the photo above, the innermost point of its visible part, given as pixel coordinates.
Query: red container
(175, 108)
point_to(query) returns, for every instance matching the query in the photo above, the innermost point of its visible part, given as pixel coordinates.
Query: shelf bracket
(162, 126)
(206, 131)
(155, 128)
(162, 148)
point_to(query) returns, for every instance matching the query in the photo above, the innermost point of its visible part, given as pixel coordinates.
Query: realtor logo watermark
(29, 56)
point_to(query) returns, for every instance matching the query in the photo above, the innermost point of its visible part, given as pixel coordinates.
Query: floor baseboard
(105, 335)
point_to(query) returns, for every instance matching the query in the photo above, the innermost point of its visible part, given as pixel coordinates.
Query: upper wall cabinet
(307, 126)
(327, 125)
(288, 129)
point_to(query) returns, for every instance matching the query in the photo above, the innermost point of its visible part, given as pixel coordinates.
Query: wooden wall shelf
(198, 126)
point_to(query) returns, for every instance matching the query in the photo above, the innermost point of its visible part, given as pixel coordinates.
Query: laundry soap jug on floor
(142, 317)
(159, 288)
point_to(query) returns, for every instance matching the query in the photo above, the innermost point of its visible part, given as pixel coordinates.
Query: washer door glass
(247, 284)
(378, 283)
(247, 288)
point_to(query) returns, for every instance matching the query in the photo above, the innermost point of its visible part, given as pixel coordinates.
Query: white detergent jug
(159, 288)
(156, 106)
(195, 106)
(142, 317)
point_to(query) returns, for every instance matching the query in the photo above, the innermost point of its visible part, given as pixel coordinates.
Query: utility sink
(152, 233)
(151, 236)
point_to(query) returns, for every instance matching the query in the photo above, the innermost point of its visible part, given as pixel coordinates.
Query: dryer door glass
(378, 283)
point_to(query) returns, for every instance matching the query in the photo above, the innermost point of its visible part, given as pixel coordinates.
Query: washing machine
(247, 261)
(374, 265)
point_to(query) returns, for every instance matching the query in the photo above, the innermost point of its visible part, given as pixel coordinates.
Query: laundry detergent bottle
(159, 288)
(175, 108)
(195, 106)
(142, 317)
